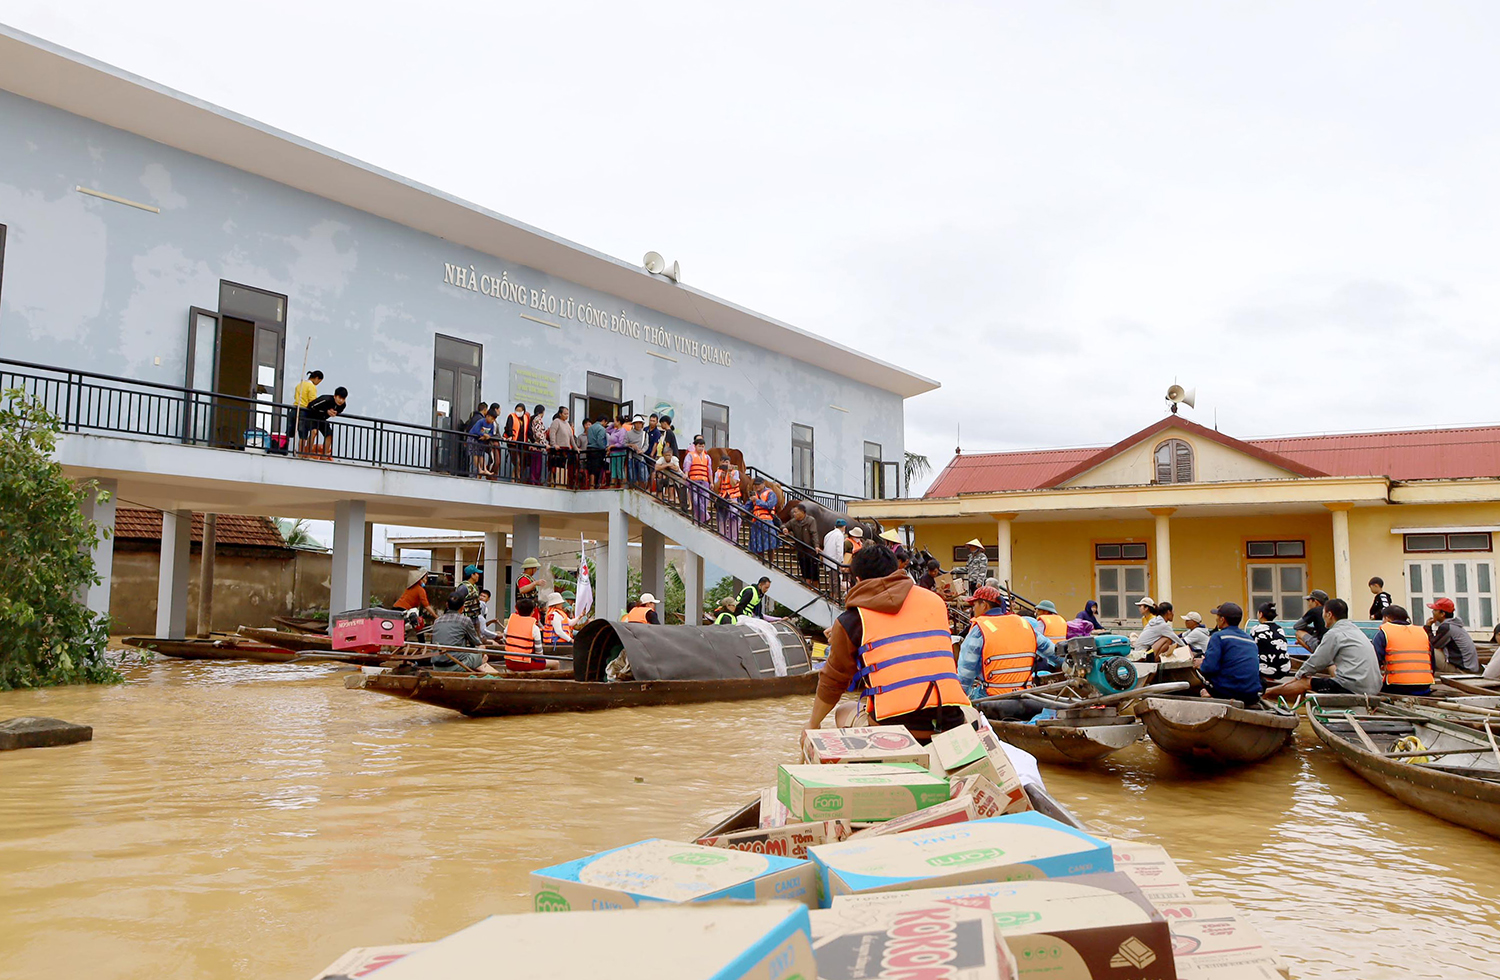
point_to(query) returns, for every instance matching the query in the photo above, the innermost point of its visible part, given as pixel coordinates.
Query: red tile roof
(137, 524)
(1426, 454)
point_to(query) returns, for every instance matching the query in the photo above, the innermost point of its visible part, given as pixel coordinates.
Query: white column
(493, 577)
(99, 507)
(1343, 578)
(1003, 570)
(525, 542)
(692, 588)
(1163, 585)
(347, 583)
(654, 564)
(172, 579)
(368, 576)
(617, 578)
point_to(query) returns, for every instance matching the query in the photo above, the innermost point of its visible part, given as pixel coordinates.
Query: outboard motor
(1099, 661)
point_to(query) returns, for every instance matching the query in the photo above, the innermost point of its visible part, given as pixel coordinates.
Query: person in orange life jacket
(998, 656)
(891, 645)
(700, 474)
(644, 611)
(516, 433)
(523, 639)
(728, 487)
(1405, 653)
(1053, 626)
(556, 626)
(764, 503)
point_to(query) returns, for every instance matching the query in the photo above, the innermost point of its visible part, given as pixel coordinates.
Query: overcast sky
(1053, 208)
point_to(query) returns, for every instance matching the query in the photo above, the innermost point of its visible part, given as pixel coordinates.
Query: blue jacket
(971, 654)
(1231, 663)
(597, 437)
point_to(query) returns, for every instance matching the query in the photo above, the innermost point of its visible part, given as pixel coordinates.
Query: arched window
(1174, 462)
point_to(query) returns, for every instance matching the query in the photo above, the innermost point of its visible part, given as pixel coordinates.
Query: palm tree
(917, 466)
(296, 534)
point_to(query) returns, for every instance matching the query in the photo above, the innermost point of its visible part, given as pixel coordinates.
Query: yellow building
(1184, 513)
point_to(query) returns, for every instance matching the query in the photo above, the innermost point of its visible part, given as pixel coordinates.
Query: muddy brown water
(256, 821)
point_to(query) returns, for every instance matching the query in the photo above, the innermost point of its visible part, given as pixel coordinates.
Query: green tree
(915, 467)
(46, 635)
(296, 534)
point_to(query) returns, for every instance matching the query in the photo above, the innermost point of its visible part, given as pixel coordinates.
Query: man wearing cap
(644, 611)
(634, 442)
(999, 655)
(1157, 640)
(527, 585)
(1053, 625)
(1451, 638)
(1230, 664)
(1196, 635)
(833, 542)
(1405, 654)
(1345, 647)
(1310, 628)
(468, 593)
(978, 567)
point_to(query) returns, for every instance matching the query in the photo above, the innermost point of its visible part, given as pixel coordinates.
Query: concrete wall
(249, 589)
(1212, 463)
(99, 286)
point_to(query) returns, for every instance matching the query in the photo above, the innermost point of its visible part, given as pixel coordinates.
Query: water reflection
(232, 820)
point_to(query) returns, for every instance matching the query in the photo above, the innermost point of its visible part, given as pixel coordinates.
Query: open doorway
(602, 399)
(239, 352)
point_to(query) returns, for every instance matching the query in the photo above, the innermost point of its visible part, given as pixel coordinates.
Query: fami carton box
(772, 813)
(866, 792)
(719, 942)
(1086, 927)
(1015, 847)
(966, 751)
(988, 799)
(790, 840)
(886, 743)
(1153, 870)
(974, 798)
(361, 961)
(935, 942)
(1214, 942)
(667, 871)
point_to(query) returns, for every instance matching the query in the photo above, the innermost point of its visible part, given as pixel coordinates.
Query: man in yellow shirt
(302, 396)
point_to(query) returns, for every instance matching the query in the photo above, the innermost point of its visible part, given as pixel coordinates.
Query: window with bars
(1174, 462)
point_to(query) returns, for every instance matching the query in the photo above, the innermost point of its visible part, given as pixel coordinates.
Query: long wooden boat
(1067, 741)
(486, 696)
(1470, 684)
(1210, 730)
(1459, 782)
(313, 626)
(289, 639)
(214, 648)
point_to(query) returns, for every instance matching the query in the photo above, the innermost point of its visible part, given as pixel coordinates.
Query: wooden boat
(1455, 776)
(1470, 684)
(1070, 741)
(486, 696)
(214, 648)
(1211, 730)
(289, 639)
(318, 626)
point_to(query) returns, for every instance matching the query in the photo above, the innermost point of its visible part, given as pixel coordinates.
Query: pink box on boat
(367, 630)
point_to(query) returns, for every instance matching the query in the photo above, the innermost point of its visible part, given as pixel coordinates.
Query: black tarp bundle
(662, 653)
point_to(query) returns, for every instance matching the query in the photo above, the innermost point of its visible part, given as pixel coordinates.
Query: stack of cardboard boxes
(917, 861)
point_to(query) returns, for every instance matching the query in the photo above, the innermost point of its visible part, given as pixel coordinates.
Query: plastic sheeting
(661, 653)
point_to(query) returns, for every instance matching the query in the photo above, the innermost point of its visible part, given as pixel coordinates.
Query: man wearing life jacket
(644, 611)
(752, 598)
(1405, 654)
(517, 431)
(763, 506)
(728, 487)
(556, 626)
(700, 474)
(523, 638)
(1054, 627)
(892, 647)
(999, 655)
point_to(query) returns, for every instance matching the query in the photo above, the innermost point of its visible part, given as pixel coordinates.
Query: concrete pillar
(1163, 585)
(99, 507)
(206, 574)
(654, 565)
(347, 585)
(525, 542)
(617, 578)
(172, 580)
(692, 588)
(1003, 570)
(1343, 578)
(369, 573)
(494, 575)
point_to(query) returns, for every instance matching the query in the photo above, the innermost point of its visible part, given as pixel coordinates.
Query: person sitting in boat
(1054, 627)
(1157, 641)
(644, 611)
(487, 633)
(1404, 652)
(1450, 637)
(999, 656)
(1344, 647)
(1270, 641)
(1090, 615)
(724, 612)
(1195, 635)
(556, 626)
(455, 629)
(1230, 664)
(751, 600)
(891, 645)
(414, 603)
(523, 638)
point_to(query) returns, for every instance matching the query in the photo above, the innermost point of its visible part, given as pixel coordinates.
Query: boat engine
(1099, 661)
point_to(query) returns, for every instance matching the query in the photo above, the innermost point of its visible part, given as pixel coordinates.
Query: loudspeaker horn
(674, 273)
(654, 263)
(1186, 396)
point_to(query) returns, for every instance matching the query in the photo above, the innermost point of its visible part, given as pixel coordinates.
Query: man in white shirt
(833, 542)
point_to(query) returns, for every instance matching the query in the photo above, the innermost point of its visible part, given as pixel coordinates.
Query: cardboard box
(668, 871)
(988, 800)
(869, 792)
(720, 942)
(887, 743)
(1153, 871)
(963, 807)
(362, 961)
(1015, 847)
(772, 813)
(933, 942)
(1086, 927)
(965, 751)
(789, 840)
(1213, 941)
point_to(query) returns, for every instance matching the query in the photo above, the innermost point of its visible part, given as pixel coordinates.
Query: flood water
(249, 821)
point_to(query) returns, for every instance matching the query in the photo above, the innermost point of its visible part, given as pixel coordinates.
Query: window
(1283, 584)
(802, 456)
(603, 395)
(1441, 541)
(1126, 551)
(715, 426)
(961, 553)
(1119, 588)
(1275, 549)
(2, 258)
(874, 475)
(1469, 582)
(1174, 462)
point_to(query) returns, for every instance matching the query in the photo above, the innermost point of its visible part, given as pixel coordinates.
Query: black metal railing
(837, 502)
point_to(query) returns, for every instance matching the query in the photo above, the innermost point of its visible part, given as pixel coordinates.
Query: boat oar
(1495, 748)
(1151, 690)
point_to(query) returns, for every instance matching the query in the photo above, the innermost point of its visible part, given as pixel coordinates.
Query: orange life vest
(700, 467)
(1009, 654)
(519, 425)
(1408, 658)
(729, 485)
(637, 614)
(550, 636)
(762, 504)
(520, 643)
(906, 659)
(855, 544)
(1053, 626)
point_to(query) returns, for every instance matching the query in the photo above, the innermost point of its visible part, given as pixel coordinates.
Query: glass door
(456, 376)
(202, 355)
(1119, 588)
(1283, 584)
(1470, 583)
